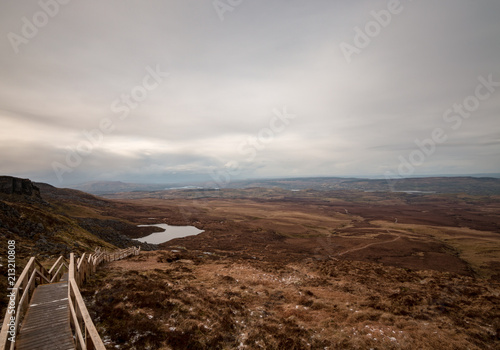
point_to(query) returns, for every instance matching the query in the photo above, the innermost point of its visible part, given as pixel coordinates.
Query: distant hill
(468, 185)
(106, 187)
(464, 184)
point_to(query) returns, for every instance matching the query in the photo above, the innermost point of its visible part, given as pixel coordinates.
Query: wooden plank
(46, 324)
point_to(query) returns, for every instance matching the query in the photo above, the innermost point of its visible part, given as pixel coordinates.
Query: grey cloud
(226, 78)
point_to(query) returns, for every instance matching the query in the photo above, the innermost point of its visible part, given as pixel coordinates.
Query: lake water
(170, 232)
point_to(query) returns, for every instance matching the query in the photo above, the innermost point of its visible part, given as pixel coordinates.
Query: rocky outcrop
(15, 186)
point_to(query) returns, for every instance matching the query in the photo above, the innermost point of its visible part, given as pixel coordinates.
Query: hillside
(52, 221)
(196, 300)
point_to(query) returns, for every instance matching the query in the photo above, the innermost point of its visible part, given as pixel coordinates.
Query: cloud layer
(87, 68)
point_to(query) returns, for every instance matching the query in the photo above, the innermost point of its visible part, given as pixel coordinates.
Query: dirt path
(369, 245)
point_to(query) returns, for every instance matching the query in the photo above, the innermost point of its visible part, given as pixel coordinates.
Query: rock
(186, 261)
(17, 186)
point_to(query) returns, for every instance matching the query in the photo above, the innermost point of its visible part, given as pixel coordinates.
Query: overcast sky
(162, 91)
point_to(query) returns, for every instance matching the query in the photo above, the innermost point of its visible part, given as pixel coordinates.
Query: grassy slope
(199, 301)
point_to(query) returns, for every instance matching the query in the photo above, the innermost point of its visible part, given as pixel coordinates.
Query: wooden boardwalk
(46, 323)
(55, 314)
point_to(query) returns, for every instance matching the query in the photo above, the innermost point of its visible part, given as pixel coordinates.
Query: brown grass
(480, 249)
(188, 300)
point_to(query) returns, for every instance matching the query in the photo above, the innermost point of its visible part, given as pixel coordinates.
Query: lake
(168, 233)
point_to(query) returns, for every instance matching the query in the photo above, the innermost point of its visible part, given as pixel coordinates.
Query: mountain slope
(52, 221)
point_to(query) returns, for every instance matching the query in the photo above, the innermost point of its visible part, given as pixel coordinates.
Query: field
(194, 300)
(449, 233)
(279, 269)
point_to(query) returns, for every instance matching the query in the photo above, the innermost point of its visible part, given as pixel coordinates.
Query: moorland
(278, 267)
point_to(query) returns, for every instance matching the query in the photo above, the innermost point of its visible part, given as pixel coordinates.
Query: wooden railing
(78, 271)
(86, 335)
(33, 274)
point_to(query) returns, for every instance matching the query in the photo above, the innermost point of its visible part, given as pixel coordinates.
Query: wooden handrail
(77, 307)
(42, 277)
(86, 335)
(80, 342)
(51, 271)
(17, 291)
